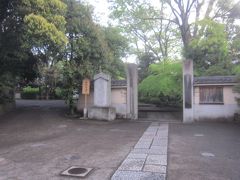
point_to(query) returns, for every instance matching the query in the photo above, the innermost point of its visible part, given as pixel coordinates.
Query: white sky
(101, 10)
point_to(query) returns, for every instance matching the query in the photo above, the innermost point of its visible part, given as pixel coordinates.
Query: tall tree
(45, 28)
(145, 30)
(29, 26)
(209, 49)
(90, 49)
(11, 28)
(144, 61)
(118, 45)
(182, 10)
(29, 29)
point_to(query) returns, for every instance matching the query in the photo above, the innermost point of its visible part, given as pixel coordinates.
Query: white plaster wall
(118, 97)
(229, 96)
(196, 95)
(216, 112)
(119, 100)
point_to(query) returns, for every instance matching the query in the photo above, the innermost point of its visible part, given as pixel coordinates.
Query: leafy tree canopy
(164, 84)
(209, 49)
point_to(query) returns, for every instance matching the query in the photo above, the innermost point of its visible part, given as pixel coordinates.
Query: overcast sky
(101, 10)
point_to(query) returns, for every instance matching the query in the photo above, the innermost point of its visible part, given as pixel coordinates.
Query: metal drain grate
(77, 171)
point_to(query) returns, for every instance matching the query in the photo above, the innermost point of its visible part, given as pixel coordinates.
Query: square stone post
(188, 91)
(132, 91)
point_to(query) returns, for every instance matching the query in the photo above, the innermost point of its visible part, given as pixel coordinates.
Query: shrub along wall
(29, 93)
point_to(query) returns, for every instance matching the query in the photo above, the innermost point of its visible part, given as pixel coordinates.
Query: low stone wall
(215, 112)
(4, 108)
(102, 113)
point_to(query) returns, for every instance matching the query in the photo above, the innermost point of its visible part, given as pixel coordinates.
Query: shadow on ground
(38, 142)
(204, 151)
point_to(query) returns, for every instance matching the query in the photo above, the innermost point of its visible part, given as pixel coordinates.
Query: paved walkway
(148, 159)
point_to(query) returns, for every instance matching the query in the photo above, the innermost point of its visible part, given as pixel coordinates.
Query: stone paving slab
(148, 159)
(132, 164)
(137, 156)
(153, 150)
(157, 142)
(135, 175)
(143, 145)
(155, 168)
(157, 160)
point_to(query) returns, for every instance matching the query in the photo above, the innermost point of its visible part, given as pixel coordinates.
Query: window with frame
(211, 95)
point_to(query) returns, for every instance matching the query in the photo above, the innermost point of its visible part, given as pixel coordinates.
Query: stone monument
(102, 109)
(188, 91)
(132, 91)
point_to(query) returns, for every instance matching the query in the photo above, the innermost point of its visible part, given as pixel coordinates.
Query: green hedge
(30, 93)
(163, 85)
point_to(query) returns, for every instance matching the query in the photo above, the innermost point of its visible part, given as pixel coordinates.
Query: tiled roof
(215, 80)
(117, 83)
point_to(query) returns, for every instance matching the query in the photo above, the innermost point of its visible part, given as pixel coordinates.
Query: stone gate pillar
(132, 91)
(188, 91)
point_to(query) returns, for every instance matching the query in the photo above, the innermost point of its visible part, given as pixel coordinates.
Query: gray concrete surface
(204, 151)
(37, 143)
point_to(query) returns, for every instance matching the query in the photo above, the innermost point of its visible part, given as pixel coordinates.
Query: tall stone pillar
(188, 91)
(132, 91)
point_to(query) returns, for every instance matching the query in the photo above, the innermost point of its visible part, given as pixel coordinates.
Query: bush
(237, 88)
(163, 85)
(6, 88)
(58, 93)
(30, 93)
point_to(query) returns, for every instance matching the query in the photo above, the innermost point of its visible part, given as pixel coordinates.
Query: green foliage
(30, 31)
(58, 92)
(44, 26)
(142, 24)
(11, 52)
(210, 48)
(118, 45)
(217, 70)
(144, 61)
(6, 88)
(90, 49)
(164, 84)
(236, 69)
(70, 83)
(237, 88)
(29, 92)
(38, 26)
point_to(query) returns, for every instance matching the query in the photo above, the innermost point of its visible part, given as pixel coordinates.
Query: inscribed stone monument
(188, 91)
(102, 109)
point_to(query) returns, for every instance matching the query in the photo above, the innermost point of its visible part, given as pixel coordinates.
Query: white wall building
(214, 98)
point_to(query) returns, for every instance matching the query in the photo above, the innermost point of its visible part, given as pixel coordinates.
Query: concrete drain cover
(206, 154)
(77, 171)
(198, 135)
(62, 126)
